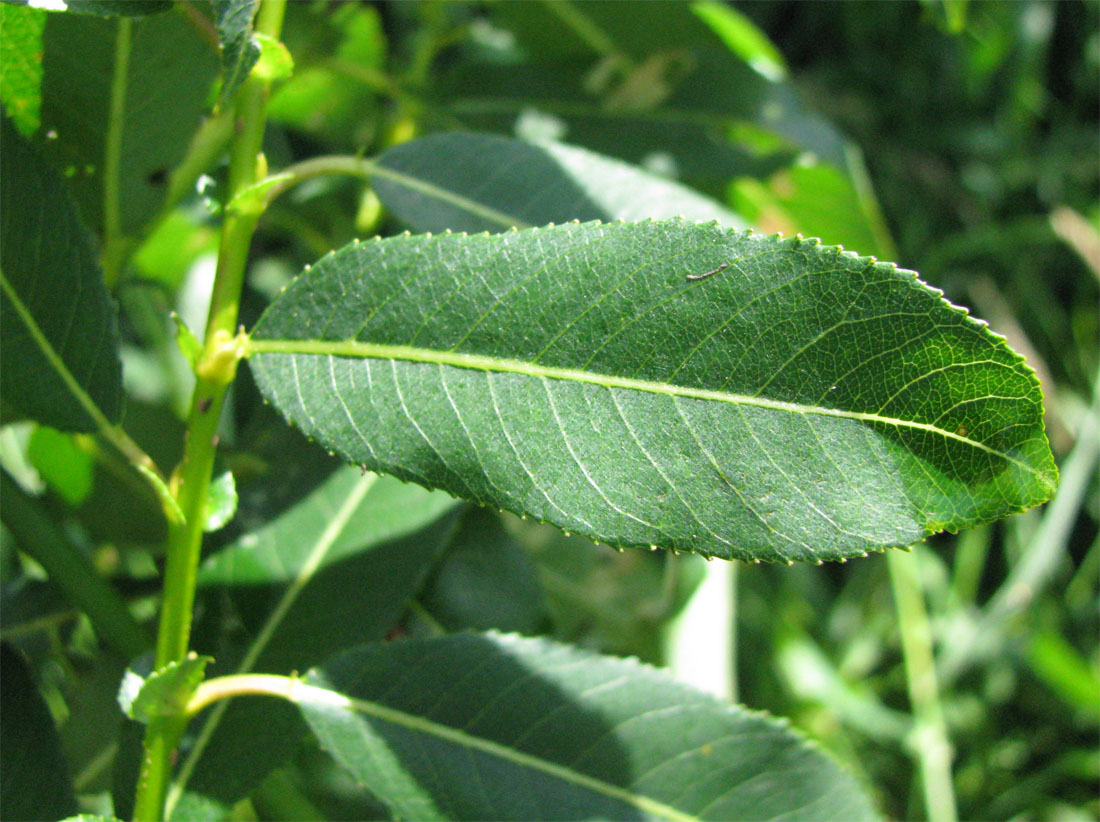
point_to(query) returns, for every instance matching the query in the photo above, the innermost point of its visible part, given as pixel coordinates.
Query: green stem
(930, 742)
(70, 569)
(215, 373)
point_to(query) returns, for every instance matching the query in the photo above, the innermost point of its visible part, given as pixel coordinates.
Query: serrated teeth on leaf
(800, 404)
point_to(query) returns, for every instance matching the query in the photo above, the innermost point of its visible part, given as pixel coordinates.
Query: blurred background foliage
(957, 138)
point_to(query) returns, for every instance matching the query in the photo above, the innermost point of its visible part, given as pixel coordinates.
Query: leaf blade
(631, 742)
(517, 183)
(240, 52)
(799, 404)
(60, 347)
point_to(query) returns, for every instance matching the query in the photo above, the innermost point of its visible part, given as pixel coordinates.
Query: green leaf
(59, 360)
(221, 501)
(62, 464)
(486, 580)
(655, 83)
(516, 183)
(21, 66)
(530, 729)
(742, 38)
(335, 570)
(165, 692)
(164, 70)
(34, 778)
(792, 402)
(233, 19)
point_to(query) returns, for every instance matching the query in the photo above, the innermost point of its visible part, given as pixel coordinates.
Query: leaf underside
(799, 403)
(531, 729)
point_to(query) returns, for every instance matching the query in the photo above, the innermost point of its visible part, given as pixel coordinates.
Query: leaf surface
(240, 52)
(795, 403)
(530, 729)
(333, 571)
(21, 66)
(479, 182)
(59, 347)
(165, 70)
(34, 778)
(655, 83)
(485, 580)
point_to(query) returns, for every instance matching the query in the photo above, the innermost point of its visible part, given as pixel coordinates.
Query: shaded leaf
(59, 328)
(479, 182)
(657, 82)
(793, 402)
(530, 729)
(485, 580)
(34, 778)
(335, 570)
(240, 52)
(170, 69)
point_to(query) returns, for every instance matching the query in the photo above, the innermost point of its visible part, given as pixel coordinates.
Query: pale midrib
(53, 357)
(366, 350)
(305, 574)
(450, 197)
(305, 694)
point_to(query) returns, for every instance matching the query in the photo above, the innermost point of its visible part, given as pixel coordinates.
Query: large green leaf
(34, 779)
(333, 571)
(529, 729)
(479, 182)
(793, 402)
(59, 358)
(143, 82)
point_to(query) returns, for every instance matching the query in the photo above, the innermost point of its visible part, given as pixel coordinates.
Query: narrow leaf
(148, 88)
(34, 778)
(530, 729)
(478, 182)
(240, 52)
(59, 360)
(663, 384)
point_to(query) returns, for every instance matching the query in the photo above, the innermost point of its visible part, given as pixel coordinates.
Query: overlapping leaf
(793, 402)
(480, 182)
(657, 82)
(58, 333)
(333, 571)
(530, 729)
(34, 779)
